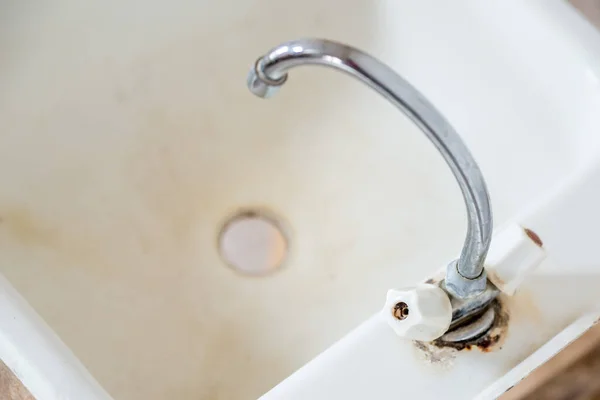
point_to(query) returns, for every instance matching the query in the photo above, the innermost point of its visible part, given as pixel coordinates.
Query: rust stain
(495, 279)
(534, 237)
(65, 244)
(489, 342)
(26, 228)
(401, 311)
(433, 355)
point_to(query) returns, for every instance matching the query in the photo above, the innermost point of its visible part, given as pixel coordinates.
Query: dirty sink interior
(128, 138)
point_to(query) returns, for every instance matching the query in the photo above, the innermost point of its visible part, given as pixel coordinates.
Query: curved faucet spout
(270, 73)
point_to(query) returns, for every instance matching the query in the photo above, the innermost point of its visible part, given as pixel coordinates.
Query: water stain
(171, 142)
(21, 224)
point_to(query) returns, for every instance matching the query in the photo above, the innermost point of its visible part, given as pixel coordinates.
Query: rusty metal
(472, 330)
(490, 340)
(401, 310)
(463, 309)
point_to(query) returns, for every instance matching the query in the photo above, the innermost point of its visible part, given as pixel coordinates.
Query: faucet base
(461, 287)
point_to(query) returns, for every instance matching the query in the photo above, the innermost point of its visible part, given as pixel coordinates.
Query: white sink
(128, 137)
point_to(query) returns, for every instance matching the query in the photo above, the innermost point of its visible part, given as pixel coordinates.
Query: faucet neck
(270, 72)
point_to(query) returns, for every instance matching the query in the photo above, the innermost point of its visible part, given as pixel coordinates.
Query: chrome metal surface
(270, 72)
(471, 331)
(463, 309)
(459, 286)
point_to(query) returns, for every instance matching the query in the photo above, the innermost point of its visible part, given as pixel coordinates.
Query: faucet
(465, 277)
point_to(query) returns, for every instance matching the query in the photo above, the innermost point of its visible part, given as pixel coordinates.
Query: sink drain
(253, 243)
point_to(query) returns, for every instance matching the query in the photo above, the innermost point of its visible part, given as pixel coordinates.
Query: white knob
(420, 313)
(514, 253)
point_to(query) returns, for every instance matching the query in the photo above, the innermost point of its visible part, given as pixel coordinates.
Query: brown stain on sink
(61, 243)
(26, 228)
(490, 341)
(129, 243)
(442, 353)
(139, 208)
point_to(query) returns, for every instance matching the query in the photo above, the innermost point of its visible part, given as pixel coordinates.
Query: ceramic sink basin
(128, 139)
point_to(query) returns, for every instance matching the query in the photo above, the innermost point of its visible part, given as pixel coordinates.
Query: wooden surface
(580, 381)
(573, 374)
(10, 387)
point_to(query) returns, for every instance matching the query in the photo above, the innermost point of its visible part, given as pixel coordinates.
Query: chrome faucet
(465, 277)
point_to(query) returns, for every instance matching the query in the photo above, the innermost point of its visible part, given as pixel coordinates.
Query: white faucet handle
(515, 252)
(420, 313)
